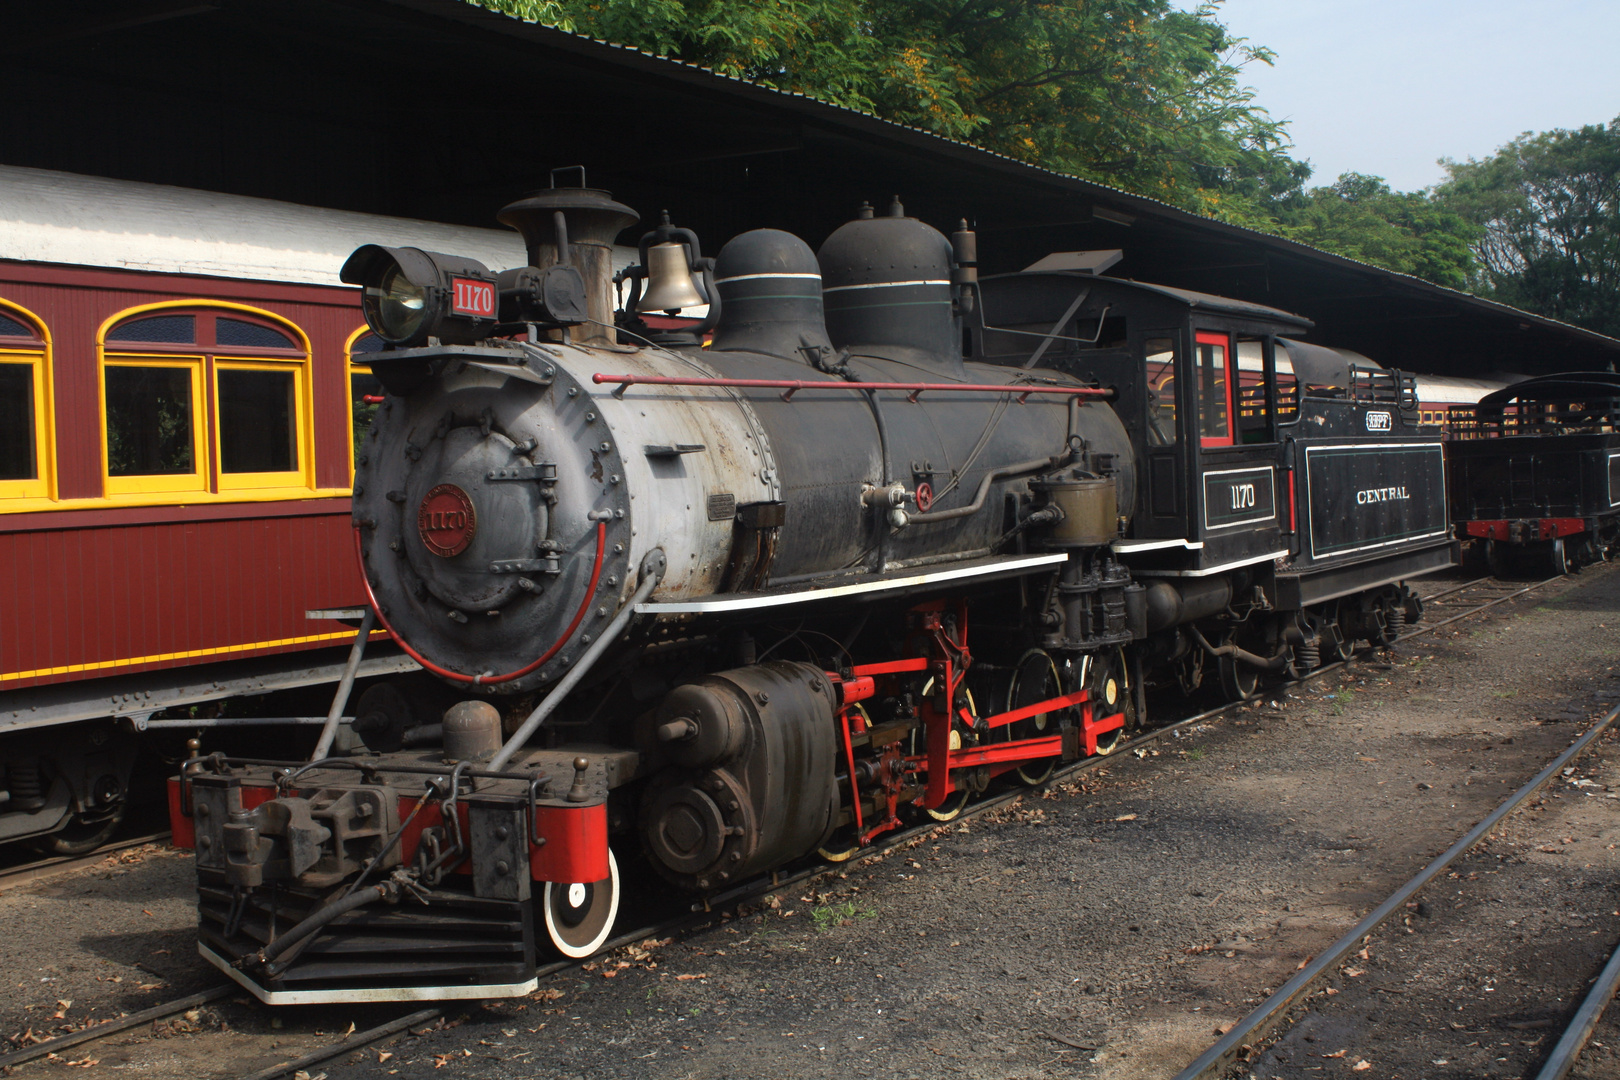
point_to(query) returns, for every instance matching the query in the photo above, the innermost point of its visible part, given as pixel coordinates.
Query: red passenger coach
(178, 413)
(192, 489)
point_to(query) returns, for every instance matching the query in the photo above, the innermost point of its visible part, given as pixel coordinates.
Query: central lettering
(1242, 496)
(1384, 494)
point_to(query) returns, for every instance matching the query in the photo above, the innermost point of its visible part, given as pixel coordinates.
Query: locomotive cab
(1274, 476)
(1205, 428)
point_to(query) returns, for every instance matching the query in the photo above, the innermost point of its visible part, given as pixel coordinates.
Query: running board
(898, 582)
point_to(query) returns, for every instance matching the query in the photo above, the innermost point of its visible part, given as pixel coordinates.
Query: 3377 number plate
(469, 296)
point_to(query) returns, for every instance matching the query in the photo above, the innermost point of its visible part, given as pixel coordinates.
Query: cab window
(1212, 365)
(1160, 372)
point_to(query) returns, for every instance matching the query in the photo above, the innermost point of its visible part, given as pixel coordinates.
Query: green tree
(1547, 210)
(1132, 93)
(1358, 216)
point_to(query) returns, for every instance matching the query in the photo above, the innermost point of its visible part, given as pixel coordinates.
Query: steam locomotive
(871, 536)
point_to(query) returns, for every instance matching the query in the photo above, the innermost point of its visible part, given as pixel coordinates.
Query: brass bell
(669, 280)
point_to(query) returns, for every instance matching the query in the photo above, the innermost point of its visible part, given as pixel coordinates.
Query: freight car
(1534, 474)
(179, 399)
(896, 534)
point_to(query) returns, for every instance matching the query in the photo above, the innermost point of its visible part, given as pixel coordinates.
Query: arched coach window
(26, 442)
(205, 398)
(365, 390)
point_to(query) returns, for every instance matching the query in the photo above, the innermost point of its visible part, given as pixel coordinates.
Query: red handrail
(913, 389)
(486, 680)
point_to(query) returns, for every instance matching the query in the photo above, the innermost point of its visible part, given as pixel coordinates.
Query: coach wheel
(1496, 558)
(579, 915)
(1238, 680)
(79, 837)
(1337, 646)
(1554, 562)
(1190, 671)
(1390, 620)
(1035, 678)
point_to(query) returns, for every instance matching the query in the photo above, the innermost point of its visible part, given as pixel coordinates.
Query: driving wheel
(1110, 682)
(1035, 678)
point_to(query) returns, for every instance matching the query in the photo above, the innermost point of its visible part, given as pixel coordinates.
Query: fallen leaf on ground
(688, 978)
(1361, 1066)
(1338, 1054)
(1354, 973)
(1126, 817)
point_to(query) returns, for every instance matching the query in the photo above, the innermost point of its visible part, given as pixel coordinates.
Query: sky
(1387, 87)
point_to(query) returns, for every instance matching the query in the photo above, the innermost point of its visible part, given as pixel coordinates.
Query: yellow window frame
(195, 481)
(351, 369)
(298, 480)
(39, 486)
(40, 492)
(122, 495)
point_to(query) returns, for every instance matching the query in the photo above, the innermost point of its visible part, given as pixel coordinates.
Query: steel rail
(1459, 588)
(112, 1027)
(1271, 1010)
(358, 1041)
(1426, 627)
(1580, 1029)
(13, 876)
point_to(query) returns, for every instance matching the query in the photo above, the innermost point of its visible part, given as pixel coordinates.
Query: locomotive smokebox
(770, 285)
(887, 284)
(575, 226)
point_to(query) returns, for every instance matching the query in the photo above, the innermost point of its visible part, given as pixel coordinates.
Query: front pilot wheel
(580, 915)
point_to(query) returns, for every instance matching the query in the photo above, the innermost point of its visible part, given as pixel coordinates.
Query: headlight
(412, 295)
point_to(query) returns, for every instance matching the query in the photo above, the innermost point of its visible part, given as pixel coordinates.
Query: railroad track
(1499, 592)
(1254, 1027)
(706, 912)
(12, 876)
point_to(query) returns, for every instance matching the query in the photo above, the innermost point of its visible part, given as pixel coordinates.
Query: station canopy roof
(439, 110)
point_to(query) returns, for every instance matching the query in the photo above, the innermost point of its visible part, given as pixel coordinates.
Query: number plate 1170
(472, 297)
